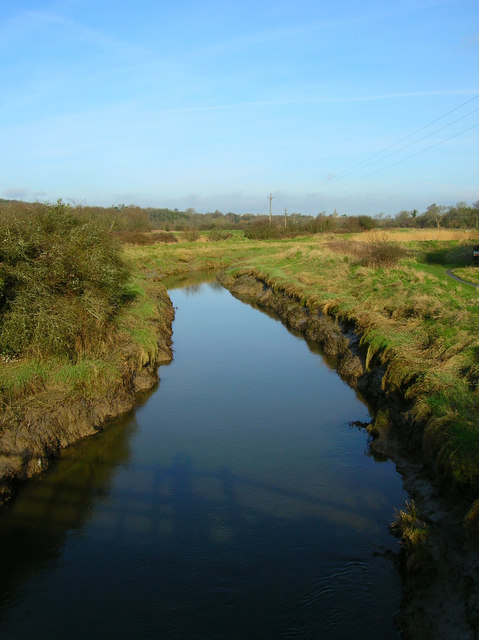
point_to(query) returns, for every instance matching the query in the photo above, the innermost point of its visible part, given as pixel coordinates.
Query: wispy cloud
(27, 22)
(322, 100)
(24, 23)
(104, 41)
(147, 113)
(301, 29)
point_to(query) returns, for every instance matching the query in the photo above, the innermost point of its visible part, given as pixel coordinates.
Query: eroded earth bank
(35, 429)
(439, 564)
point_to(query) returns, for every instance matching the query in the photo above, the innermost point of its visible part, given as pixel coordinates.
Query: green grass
(22, 377)
(84, 373)
(469, 273)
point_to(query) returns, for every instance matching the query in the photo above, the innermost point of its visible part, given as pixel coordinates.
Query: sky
(365, 107)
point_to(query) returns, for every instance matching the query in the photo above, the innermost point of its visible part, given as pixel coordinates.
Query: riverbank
(54, 404)
(441, 574)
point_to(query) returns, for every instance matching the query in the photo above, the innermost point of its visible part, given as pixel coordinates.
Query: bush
(164, 236)
(262, 231)
(191, 235)
(139, 238)
(382, 253)
(218, 234)
(133, 237)
(61, 278)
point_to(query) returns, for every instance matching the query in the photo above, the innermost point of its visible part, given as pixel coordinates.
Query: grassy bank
(81, 333)
(416, 321)
(413, 319)
(137, 338)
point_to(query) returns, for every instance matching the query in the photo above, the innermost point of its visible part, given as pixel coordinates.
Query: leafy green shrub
(262, 230)
(62, 276)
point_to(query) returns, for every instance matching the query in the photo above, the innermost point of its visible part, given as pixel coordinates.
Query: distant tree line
(459, 216)
(121, 219)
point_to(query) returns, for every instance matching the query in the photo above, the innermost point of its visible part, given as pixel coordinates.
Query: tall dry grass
(417, 235)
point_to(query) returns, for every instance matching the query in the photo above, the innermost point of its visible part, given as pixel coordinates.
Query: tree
(366, 223)
(433, 215)
(402, 217)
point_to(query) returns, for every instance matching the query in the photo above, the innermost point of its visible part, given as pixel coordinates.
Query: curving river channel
(236, 502)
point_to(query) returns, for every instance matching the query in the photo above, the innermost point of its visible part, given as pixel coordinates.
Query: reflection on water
(236, 503)
(34, 525)
(192, 281)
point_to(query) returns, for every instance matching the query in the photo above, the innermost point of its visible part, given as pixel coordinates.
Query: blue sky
(214, 105)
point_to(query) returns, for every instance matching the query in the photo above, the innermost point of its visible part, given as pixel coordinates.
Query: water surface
(235, 502)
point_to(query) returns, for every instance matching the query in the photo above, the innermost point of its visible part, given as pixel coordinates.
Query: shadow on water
(33, 526)
(329, 360)
(215, 573)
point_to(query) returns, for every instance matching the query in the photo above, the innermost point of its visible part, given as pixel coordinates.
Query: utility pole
(285, 217)
(270, 197)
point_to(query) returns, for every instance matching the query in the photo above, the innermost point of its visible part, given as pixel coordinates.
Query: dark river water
(235, 502)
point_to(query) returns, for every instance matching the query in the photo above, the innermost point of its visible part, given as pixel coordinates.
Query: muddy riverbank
(34, 429)
(441, 582)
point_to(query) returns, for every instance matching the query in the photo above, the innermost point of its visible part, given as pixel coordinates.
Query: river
(235, 502)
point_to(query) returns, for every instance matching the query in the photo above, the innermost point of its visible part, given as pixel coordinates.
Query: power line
(428, 135)
(262, 210)
(455, 135)
(369, 159)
